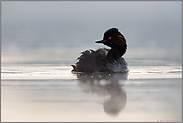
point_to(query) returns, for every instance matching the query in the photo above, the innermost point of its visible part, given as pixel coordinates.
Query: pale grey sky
(79, 23)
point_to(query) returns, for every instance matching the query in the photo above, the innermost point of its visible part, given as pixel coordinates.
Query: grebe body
(103, 59)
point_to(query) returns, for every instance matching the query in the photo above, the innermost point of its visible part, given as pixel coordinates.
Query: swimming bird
(103, 59)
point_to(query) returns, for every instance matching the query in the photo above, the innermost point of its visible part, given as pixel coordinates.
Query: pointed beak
(102, 41)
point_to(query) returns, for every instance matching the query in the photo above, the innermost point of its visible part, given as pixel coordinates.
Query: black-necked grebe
(103, 59)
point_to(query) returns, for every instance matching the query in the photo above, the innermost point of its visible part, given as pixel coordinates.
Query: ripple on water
(154, 72)
(175, 71)
(60, 72)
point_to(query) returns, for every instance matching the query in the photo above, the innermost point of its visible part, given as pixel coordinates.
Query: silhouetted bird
(103, 59)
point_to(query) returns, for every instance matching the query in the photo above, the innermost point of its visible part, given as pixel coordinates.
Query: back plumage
(91, 61)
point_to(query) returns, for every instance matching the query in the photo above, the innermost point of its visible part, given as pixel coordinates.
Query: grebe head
(113, 38)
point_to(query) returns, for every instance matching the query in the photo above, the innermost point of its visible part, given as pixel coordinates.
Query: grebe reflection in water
(109, 86)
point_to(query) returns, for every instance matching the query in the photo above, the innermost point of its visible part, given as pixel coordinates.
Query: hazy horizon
(42, 24)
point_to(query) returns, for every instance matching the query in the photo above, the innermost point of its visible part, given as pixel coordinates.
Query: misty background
(72, 24)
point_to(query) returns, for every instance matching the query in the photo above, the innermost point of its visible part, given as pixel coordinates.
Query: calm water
(39, 86)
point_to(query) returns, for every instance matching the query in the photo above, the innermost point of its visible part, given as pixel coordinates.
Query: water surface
(38, 88)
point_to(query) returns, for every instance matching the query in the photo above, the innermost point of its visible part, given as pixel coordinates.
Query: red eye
(109, 38)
